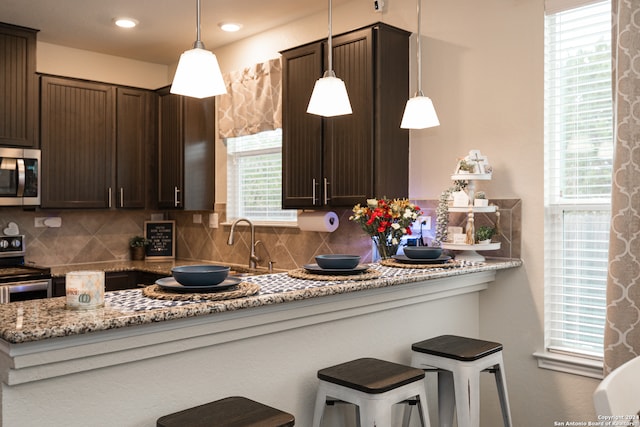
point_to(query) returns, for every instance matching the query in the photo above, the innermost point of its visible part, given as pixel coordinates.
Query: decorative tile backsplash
(94, 236)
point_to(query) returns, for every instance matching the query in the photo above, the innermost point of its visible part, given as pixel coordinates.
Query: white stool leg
(501, 383)
(446, 398)
(321, 400)
(375, 413)
(423, 408)
(461, 379)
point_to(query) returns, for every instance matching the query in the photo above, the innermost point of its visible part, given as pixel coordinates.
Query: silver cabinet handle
(121, 197)
(313, 191)
(326, 189)
(176, 201)
(110, 195)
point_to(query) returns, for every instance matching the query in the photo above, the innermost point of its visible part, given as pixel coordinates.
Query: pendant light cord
(330, 44)
(198, 43)
(419, 52)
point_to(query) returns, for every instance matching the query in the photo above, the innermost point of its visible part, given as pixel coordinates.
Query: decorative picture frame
(162, 240)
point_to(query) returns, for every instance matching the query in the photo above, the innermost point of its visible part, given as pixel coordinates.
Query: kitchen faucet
(253, 259)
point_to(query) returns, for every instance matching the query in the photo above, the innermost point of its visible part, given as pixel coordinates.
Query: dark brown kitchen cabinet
(18, 87)
(135, 137)
(186, 152)
(113, 281)
(77, 138)
(343, 160)
(97, 140)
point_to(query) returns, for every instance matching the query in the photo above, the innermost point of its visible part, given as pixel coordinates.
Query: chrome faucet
(253, 259)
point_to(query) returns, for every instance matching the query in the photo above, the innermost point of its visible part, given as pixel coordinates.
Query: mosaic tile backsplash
(94, 236)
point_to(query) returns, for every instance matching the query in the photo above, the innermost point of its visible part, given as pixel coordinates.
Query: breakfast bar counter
(140, 357)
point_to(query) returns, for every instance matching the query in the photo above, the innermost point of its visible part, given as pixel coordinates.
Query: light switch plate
(213, 220)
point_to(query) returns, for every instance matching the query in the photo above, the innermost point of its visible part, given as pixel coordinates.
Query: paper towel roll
(318, 221)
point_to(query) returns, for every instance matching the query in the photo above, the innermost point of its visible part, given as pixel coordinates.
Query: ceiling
(166, 29)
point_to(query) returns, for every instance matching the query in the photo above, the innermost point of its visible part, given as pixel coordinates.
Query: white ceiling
(166, 29)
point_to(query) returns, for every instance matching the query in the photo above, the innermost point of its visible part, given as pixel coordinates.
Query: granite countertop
(36, 320)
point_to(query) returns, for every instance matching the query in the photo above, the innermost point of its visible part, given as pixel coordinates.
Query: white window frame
(561, 353)
(276, 216)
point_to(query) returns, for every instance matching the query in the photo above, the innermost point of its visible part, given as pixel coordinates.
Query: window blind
(254, 178)
(578, 166)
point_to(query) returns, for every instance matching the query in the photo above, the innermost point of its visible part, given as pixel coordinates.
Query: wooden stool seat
(371, 375)
(459, 362)
(455, 347)
(373, 385)
(228, 412)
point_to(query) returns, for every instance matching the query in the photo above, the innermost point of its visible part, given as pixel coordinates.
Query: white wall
(83, 64)
(483, 68)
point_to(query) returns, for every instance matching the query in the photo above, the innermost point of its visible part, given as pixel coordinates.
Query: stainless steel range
(20, 282)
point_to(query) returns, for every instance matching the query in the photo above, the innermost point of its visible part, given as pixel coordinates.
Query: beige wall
(483, 68)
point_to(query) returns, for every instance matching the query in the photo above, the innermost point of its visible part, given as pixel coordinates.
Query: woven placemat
(301, 273)
(393, 263)
(243, 289)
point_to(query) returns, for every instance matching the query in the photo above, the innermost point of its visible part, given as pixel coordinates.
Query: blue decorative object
(200, 275)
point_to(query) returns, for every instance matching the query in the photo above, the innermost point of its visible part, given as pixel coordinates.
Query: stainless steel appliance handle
(21, 177)
(121, 197)
(110, 195)
(20, 287)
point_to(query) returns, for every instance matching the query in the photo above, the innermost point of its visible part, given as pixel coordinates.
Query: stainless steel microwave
(19, 177)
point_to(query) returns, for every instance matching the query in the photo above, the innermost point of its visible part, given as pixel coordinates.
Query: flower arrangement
(386, 221)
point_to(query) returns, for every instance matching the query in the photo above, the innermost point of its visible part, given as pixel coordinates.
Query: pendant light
(329, 97)
(419, 112)
(198, 74)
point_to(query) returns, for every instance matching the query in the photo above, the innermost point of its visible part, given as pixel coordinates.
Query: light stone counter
(139, 358)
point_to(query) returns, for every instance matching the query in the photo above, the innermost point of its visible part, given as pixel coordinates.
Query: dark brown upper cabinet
(343, 160)
(186, 152)
(18, 87)
(96, 142)
(136, 123)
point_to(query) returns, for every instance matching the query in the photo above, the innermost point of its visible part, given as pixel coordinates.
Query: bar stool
(459, 361)
(374, 386)
(228, 412)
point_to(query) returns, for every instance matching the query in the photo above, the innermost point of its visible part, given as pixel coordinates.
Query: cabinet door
(186, 152)
(302, 178)
(18, 87)
(170, 153)
(133, 131)
(348, 140)
(77, 143)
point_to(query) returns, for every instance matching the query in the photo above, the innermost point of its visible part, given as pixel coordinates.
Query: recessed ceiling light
(229, 27)
(125, 22)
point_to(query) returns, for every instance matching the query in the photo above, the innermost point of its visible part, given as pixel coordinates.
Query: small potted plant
(480, 199)
(484, 234)
(465, 166)
(138, 245)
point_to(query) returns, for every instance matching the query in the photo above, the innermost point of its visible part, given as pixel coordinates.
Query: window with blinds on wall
(578, 163)
(254, 178)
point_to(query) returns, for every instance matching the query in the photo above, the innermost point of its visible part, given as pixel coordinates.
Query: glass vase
(385, 248)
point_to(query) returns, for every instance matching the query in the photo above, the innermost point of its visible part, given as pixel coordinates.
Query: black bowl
(200, 275)
(422, 252)
(336, 261)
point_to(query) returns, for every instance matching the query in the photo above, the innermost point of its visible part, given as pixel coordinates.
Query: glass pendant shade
(419, 114)
(198, 75)
(329, 97)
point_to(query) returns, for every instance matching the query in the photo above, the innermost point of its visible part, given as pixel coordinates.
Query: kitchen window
(254, 179)
(578, 145)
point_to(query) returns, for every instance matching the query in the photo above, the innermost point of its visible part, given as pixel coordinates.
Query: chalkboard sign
(162, 242)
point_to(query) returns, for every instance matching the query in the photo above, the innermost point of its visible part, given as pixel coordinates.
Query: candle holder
(85, 290)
